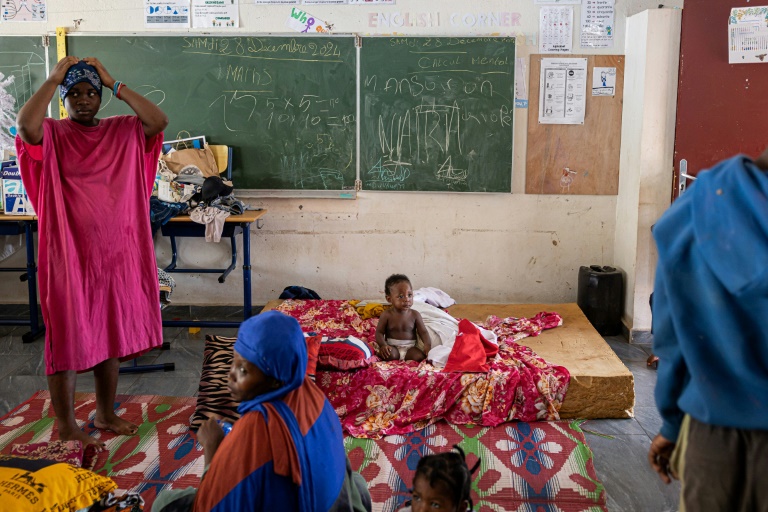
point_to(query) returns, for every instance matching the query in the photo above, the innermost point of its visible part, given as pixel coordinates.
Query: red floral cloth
(404, 396)
(513, 329)
(332, 318)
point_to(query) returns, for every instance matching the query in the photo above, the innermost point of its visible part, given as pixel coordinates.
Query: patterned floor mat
(526, 467)
(163, 454)
(536, 467)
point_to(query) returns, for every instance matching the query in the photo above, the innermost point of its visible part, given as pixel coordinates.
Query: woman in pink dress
(90, 180)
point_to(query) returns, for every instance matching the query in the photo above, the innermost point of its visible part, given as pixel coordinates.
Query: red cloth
(470, 350)
(90, 187)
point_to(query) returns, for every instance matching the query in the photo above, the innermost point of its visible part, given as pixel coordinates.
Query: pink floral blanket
(400, 397)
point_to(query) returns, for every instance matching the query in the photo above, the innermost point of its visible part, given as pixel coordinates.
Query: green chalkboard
(286, 105)
(436, 113)
(23, 59)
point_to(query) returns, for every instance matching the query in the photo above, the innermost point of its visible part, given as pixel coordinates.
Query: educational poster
(166, 14)
(597, 23)
(561, 2)
(748, 35)
(276, 2)
(556, 30)
(603, 81)
(323, 2)
(215, 13)
(562, 91)
(23, 10)
(521, 89)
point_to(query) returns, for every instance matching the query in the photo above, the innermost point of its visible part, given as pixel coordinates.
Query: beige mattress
(601, 386)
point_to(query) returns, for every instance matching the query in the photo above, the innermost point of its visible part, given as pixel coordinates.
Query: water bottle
(225, 426)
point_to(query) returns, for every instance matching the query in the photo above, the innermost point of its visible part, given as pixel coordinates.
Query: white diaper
(402, 346)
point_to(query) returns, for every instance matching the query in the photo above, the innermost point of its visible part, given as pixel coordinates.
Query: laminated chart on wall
(436, 114)
(556, 29)
(23, 10)
(748, 35)
(166, 14)
(562, 91)
(597, 23)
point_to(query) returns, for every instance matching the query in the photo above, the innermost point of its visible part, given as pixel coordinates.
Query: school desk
(184, 226)
(24, 225)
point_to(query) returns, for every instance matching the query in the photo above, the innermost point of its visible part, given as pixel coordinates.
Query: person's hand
(59, 71)
(210, 435)
(659, 455)
(106, 78)
(762, 161)
(385, 350)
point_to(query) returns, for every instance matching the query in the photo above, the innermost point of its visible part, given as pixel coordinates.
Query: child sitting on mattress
(442, 483)
(399, 325)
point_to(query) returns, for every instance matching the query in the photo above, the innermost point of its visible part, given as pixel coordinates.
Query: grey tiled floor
(619, 446)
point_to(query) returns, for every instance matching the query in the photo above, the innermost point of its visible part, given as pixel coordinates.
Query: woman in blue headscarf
(286, 451)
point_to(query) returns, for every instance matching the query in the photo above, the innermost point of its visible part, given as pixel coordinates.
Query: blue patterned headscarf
(80, 72)
(274, 342)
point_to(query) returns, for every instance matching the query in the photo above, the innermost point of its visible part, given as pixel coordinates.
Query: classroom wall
(477, 247)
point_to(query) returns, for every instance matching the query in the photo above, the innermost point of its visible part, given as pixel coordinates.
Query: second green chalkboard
(436, 114)
(286, 105)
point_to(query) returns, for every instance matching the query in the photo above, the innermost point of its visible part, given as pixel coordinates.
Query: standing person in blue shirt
(710, 324)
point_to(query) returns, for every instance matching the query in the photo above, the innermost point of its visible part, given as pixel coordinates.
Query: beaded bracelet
(120, 89)
(116, 87)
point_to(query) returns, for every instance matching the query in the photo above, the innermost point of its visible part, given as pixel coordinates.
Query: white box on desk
(14, 195)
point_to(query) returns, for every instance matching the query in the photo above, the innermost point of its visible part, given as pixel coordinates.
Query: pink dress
(90, 187)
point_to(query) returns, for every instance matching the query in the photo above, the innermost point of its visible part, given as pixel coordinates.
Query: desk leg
(247, 310)
(34, 322)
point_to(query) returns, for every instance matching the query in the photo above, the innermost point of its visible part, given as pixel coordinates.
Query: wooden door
(722, 109)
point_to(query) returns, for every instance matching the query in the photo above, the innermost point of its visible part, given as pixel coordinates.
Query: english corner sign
(398, 19)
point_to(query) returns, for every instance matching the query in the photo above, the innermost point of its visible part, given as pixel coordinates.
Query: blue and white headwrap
(80, 72)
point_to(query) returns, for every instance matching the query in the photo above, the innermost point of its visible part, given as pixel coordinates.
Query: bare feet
(115, 423)
(67, 433)
(653, 360)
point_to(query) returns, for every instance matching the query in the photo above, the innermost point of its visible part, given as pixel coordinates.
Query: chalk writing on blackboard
(21, 65)
(262, 48)
(436, 112)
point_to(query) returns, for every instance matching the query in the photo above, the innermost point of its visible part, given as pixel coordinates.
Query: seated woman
(286, 451)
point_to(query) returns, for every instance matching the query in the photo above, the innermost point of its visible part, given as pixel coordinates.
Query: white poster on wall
(369, 2)
(603, 81)
(556, 30)
(748, 35)
(166, 14)
(597, 23)
(276, 2)
(215, 13)
(562, 91)
(561, 2)
(24, 10)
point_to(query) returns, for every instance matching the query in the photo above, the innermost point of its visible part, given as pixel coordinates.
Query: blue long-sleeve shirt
(710, 302)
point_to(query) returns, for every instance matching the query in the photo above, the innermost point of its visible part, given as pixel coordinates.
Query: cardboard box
(14, 196)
